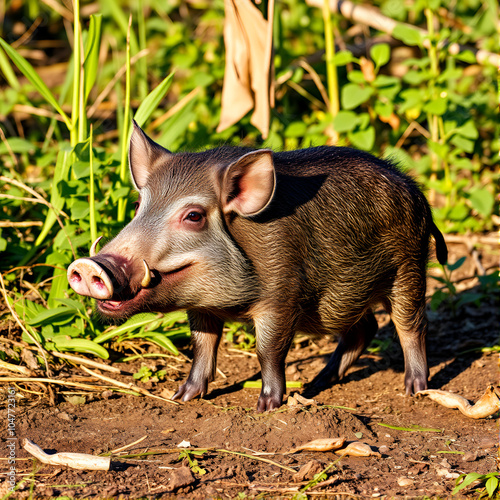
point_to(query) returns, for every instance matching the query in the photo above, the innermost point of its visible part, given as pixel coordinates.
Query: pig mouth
(129, 303)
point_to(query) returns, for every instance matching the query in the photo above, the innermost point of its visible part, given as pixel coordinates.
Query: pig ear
(248, 184)
(142, 153)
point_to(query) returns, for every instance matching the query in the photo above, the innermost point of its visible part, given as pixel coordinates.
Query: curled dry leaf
(487, 404)
(73, 460)
(357, 449)
(325, 444)
(298, 400)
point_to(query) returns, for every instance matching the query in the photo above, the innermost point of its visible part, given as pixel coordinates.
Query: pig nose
(88, 278)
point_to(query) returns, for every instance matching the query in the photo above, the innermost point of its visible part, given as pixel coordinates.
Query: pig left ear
(142, 155)
(248, 184)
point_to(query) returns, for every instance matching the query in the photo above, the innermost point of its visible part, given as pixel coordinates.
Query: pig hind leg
(407, 308)
(352, 343)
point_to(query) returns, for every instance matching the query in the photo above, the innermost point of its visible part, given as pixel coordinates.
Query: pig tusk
(147, 275)
(93, 248)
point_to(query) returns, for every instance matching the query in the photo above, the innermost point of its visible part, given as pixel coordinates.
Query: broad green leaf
(58, 287)
(161, 340)
(152, 101)
(491, 485)
(29, 72)
(59, 314)
(436, 106)
(353, 95)
(407, 34)
(296, 129)
(345, 121)
(380, 53)
(18, 146)
(137, 321)
(73, 304)
(467, 480)
(343, 57)
(63, 343)
(468, 130)
(363, 139)
(456, 265)
(482, 200)
(92, 46)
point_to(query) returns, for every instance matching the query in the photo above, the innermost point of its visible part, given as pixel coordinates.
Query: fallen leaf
(307, 471)
(357, 449)
(487, 404)
(325, 444)
(179, 478)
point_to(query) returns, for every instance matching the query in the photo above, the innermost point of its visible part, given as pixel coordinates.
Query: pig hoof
(189, 391)
(415, 385)
(268, 403)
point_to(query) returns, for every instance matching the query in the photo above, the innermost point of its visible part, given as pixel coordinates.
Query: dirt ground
(416, 462)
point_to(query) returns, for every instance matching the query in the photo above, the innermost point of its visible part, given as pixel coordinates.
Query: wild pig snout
(86, 277)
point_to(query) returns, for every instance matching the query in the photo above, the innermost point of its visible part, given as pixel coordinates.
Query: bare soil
(413, 463)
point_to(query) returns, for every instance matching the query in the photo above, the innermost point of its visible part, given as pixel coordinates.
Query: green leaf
(29, 72)
(407, 34)
(353, 95)
(56, 200)
(467, 480)
(436, 106)
(343, 57)
(152, 101)
(345, 121)
(137, 321)
(363, 139)
(482, 201)
(18, 146)
(59, 314)
(456, 265)
(161, 340)
(63, 343)
(491, 485)
(92, 46)
(468, 130)
(380, 53)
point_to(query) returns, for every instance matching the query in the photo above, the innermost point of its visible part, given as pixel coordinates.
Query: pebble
(404, 482)
(383, 449)
(469, 456)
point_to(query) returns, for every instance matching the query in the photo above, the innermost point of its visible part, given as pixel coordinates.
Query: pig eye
(194, 216)
(136, 207)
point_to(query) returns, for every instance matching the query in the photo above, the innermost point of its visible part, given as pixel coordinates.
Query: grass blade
(29, 72)
(91, 60)
(150, 104)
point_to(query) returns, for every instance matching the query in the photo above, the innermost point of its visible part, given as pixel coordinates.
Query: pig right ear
(248, 184)
(142, 155)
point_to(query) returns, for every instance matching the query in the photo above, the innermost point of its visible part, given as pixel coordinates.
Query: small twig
(130, 386)
(52, 381)
(117, 450)
(85, 361)
(15, 368)
(267, 460)
(19, 322)
(9, 223)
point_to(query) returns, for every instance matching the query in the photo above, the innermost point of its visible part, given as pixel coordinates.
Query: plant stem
(331, 69)
(122, 202)
(76, 72)
(93, 225)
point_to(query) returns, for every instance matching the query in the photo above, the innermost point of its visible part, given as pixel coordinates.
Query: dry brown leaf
(248, 75)
(307, 471)
(298, 400)
(486, 405)
(357, 449)
(324, 444)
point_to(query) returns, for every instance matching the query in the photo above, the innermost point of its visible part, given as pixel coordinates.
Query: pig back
(338, 217)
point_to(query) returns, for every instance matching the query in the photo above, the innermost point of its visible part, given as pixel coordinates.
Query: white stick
(73, 460)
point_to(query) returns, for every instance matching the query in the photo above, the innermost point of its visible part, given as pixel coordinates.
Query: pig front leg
(273, 342)
(206, 331)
